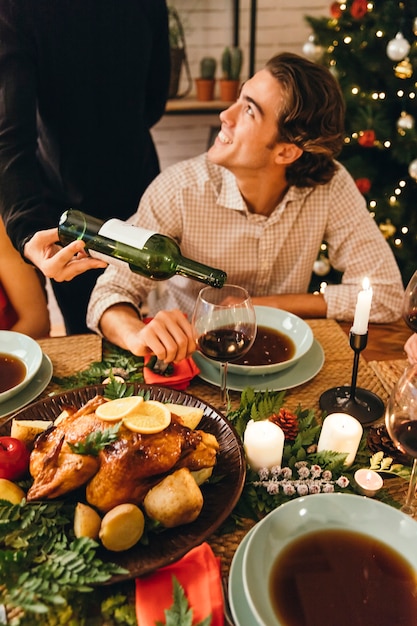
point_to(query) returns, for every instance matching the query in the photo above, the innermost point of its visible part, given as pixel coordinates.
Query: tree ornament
(398, 48)
(311, 50)
(387, 228)
(364, 185)
(366, 138)
(359, 9)
(321, 266)
(404, 69)
(287, 421)
(335, 10)
(412, 169)
(405, 121)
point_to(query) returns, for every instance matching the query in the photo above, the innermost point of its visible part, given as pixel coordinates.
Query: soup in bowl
(282, 339)
(20, 359)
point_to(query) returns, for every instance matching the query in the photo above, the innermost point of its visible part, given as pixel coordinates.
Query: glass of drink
(224, 324)
(401, 423)
(410, 304)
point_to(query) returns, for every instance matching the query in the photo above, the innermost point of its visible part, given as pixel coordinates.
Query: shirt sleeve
(358, 249)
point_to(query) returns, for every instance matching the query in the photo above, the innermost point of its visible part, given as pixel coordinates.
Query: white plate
(299, 373)
(240, 608)
(308, 514)
(31, 391)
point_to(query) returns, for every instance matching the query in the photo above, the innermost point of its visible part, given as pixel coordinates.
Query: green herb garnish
(180, 613)
(96, 441)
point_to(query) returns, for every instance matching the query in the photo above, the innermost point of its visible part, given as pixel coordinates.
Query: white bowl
(287, 324)
(27, 350)
(304, 515)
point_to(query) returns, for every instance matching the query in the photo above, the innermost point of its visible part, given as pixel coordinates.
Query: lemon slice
(151, 417)
(117, 409)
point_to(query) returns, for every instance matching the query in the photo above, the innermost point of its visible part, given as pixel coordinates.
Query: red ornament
(363, 184)
(359, 9)
(335, 10)
(366, 138)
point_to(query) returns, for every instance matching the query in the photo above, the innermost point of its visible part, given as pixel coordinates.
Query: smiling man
(258, 205)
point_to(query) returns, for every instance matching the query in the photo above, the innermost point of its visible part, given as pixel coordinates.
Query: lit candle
(341, 433)
(264, 444)
(363, 309)
(368, 482)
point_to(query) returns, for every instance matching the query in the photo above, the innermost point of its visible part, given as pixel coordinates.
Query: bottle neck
(202, 273)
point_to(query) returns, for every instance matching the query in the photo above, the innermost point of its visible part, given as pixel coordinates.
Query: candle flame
(366, 283)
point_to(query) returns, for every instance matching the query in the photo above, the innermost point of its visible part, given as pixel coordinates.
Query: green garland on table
(304, 470)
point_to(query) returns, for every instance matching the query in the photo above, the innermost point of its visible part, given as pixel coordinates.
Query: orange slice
(150, 417)
(118, 409)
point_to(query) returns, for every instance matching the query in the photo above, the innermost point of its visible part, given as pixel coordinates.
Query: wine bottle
(147, 253)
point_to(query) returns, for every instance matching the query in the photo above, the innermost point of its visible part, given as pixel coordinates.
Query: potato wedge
(28, 430)
(176, 500)
(200, 476)
(122, 527)
(190, 415)
(87, 521)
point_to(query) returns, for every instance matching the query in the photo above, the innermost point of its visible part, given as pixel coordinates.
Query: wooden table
(74, 353)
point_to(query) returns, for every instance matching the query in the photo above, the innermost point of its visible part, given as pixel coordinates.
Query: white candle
(363, 309)
(368, 482)
(263, 442)
(341, 433)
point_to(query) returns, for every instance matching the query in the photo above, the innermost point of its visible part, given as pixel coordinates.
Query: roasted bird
(125, 470)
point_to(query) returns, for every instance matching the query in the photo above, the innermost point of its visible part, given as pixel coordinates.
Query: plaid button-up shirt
(199, 205)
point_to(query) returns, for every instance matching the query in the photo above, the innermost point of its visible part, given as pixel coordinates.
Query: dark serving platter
(220, 497)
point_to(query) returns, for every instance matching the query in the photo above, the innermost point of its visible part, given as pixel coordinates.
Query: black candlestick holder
(363, 404)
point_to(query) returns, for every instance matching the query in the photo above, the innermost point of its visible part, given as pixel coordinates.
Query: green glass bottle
(147, 253)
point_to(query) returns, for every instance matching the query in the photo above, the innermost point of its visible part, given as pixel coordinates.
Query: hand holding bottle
(57, 262)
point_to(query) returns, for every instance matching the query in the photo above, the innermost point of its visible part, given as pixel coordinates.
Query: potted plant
(231, 68)
(206, 82)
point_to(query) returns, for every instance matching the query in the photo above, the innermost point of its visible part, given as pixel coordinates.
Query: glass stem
(223, 384)
(407, 507)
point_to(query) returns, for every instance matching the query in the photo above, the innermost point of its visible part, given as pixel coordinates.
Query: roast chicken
(125, 470)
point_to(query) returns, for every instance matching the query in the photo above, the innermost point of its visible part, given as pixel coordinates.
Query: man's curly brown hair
(312, 117)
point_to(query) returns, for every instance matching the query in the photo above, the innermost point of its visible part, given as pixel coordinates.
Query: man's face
(247, 139)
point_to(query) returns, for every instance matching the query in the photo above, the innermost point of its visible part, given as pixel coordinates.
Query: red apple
(14, 458)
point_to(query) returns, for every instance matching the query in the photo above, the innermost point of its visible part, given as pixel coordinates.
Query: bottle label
(125, 233)
(106, 258)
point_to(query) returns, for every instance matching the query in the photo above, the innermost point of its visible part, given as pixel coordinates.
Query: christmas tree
(371, 48)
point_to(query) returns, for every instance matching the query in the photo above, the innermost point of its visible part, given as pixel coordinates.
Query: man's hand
(54, 261)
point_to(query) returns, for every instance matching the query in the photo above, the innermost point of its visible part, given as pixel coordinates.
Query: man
(81, 84)
(258, 205)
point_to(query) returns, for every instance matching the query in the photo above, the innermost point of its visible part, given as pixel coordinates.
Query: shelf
(190, 105)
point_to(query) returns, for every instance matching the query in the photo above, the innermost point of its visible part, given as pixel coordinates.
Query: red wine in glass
(401, 423)
(224, 326)
(224, 344)
(410, 318)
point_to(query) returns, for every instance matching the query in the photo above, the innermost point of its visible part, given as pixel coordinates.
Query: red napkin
(198, 573)
(184, 372)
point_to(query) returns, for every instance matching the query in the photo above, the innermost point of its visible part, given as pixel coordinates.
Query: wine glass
(409, 312)
(401, 423)
(224, 324)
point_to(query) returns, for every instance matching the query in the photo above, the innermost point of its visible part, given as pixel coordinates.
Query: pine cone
(380, 441)
(287, 421)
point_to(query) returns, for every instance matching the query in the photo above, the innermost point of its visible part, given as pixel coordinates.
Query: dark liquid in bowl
(270, 346)
(345, 578)
(12, 371)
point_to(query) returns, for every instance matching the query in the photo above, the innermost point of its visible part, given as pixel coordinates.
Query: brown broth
(343, 578)
(270, 346)
(12, 371)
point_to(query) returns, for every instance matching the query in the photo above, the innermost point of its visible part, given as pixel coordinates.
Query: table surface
(70, 354)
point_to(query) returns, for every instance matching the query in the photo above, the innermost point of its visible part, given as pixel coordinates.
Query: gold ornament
(404, 69)
(387, 229)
